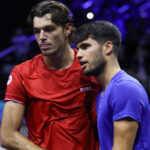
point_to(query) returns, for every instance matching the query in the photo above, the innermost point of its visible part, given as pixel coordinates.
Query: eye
(84, 46)
(49, 29)
(36, 31)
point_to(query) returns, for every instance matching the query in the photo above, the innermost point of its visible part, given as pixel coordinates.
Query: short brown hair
(60, 14)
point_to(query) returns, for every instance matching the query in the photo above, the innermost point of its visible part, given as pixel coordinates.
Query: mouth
(45, 46)
(83, 64)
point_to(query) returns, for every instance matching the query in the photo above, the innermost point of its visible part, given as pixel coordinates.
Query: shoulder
(125, 90)
(128, 98)
(123, 83)
(28, 66)
(128, 85)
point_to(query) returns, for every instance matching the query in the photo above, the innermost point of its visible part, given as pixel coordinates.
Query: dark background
(132, 17)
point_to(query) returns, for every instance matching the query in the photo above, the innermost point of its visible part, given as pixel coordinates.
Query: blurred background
(132, 17)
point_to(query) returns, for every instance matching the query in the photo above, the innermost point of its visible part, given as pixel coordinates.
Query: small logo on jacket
(87, 88)
(9, 80)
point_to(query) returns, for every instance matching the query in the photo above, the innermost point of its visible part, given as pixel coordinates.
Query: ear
(68, 28)
(108, 47)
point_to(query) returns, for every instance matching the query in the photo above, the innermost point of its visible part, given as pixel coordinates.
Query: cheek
(93, 57)
(60, 39)
(36, 38)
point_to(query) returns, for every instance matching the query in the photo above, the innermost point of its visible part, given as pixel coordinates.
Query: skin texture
(49, 37)
(53, 42)
(93, 61)
(124, 134)
(54, 45)
(100, 61)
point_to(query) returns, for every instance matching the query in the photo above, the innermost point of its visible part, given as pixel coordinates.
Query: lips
(83, 64)
(45, 46)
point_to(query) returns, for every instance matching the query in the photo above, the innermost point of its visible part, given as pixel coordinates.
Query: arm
(124, 134)
(11, 122)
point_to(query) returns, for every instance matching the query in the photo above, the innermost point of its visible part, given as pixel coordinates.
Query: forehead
(87, 41)
(39, 22)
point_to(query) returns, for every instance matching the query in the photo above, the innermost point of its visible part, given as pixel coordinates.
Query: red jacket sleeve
(15, 90)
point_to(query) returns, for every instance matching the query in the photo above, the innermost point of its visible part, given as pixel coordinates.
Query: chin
(47, 53)
(88, 72)
(94, 72)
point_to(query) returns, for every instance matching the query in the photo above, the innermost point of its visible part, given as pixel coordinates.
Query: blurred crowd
(22, 49)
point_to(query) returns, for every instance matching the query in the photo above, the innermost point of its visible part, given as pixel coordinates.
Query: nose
(42, 35)
(79, 54)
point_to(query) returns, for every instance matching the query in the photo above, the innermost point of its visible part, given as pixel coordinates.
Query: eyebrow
(46, 26)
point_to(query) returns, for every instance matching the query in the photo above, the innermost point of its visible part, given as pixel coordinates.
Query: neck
(109, 71)
(62, 60)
